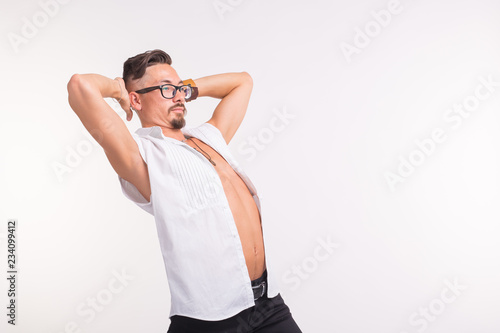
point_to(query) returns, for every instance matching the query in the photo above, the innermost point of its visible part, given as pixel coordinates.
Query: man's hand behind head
(124, 98)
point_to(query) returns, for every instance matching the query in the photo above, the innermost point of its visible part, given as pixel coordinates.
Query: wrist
(117, 91)
(194, 93)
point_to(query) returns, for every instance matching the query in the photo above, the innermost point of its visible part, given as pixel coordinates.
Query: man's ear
(135, 101)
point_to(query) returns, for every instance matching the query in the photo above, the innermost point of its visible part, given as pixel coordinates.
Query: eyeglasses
(168, 91)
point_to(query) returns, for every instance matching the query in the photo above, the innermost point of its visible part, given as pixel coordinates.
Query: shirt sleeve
(214, 133)
(129, 189)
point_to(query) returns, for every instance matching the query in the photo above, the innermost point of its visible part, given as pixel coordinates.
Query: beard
(179, 121)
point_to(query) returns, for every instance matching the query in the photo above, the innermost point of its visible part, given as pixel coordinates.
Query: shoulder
(207, 132)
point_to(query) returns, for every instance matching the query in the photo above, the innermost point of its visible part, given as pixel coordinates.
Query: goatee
(178, 123)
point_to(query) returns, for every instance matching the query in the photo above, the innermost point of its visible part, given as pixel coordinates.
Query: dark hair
(135, 67)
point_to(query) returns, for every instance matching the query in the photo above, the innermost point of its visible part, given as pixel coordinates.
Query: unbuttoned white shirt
(202, 252)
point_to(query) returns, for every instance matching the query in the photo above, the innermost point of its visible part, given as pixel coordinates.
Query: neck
(168, 131)
(173, 133)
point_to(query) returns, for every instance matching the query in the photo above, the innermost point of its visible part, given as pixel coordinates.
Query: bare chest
(223, 168)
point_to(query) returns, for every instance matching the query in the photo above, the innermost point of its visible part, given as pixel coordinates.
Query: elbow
(74, 83)
(73, 89)
(76, 88)
(75, 79)
(246, 79)
(78, 83)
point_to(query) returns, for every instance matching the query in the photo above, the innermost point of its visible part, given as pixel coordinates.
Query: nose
(179, 97)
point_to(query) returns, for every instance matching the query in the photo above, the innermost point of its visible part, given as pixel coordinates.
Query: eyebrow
(168, 81)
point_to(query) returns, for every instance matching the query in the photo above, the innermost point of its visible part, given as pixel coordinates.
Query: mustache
(177, 106)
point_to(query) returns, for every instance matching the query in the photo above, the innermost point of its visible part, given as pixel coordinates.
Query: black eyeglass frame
(177, 88)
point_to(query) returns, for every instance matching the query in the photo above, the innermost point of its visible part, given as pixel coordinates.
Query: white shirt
(202, 252)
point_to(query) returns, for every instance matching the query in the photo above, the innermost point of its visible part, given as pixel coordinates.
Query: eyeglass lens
(168, 91)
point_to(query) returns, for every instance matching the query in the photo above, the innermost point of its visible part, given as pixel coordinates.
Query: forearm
(220, 85)
(94, 85)
(86, 92)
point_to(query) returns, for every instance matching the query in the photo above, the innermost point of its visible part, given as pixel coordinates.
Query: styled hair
(135, 67)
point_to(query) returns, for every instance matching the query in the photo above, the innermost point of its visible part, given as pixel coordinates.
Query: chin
(178, 124)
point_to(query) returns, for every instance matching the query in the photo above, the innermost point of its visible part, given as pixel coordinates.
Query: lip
(178, 110)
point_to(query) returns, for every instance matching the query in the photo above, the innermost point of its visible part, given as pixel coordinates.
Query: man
(206, 209)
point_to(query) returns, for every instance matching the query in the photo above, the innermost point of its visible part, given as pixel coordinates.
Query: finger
(129, 114)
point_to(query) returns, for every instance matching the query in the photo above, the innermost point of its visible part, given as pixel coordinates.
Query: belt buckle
(263, 284)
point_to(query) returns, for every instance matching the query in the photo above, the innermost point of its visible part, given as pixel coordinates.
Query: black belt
(259, 286)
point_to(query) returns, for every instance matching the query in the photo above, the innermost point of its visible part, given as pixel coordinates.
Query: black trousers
(269, 315)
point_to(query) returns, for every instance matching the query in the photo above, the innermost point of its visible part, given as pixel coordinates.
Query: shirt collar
(156, 132)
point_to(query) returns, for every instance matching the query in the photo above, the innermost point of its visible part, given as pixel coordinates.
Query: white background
(322, 176)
